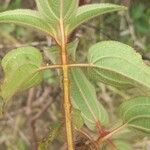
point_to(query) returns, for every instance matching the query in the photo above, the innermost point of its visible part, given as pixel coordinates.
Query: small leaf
(51, 136)
(50, 77)
(78, 121)
(136, 113)
(84, 99)
(118, 65)
(26, 17)
(84, 13)
(53, 52)
(20, 68)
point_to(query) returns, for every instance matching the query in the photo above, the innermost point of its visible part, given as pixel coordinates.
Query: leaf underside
(84, 98)
(26, 17)
(51, 13)
(20, 70)
(117, 64)
(53, 10)
(87, 12)
(136, 113)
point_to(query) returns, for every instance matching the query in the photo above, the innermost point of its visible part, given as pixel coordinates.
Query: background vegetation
(17, 131)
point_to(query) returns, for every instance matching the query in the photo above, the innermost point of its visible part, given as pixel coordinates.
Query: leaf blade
(117, 64)
(136, 113)
(17, 57)
(25, 17)
(84, 13)
(84, 98)
(20, 69)
(77, 119)
(53, 10)
(23, 78)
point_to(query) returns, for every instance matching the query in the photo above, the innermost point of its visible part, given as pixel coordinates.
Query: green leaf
(54, 11)
(84, 13)
(20, 68)
(83, 97)
(53, 53)
(51, 136)
(50, 77)
(52, 14)
(125, 134)
(20, 56)
(136, 113)
(120, 145)
(77, 119)
(25, 77)
(118, 65)
(26, 17)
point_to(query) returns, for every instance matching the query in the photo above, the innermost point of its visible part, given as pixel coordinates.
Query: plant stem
(80, 65)
(61, 66)
(66, 91)
(67, 103)
(67, 108)
(49, 67)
